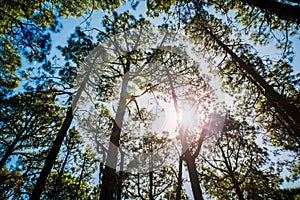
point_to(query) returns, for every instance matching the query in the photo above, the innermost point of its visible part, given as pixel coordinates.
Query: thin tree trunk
(8, 152)
(187, 157)
(179, 180)
(80, 179)
(109, 174)
(53, 153)
(287, 111)
(237, 187)
(151, 185)
(231, 175)
(151, 197)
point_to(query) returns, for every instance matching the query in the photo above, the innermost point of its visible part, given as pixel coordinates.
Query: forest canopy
(150, 99)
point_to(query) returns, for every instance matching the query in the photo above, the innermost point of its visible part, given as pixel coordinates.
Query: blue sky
(70, 24)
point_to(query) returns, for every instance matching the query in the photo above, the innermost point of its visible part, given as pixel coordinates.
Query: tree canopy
(150, 99)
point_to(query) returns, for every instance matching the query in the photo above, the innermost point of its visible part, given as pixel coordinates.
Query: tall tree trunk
(57, 185)
(237, 187)
(193, 174)
(151, 197)
(283, 11)
(289, 113)
(120, 177)
(151, 185)
(179, 180)
(53, 153)
(186, 154)
(109, 174)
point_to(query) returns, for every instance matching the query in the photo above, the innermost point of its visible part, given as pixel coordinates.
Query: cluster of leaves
(73, 172)
(26, 29)
(231, 163)
(22, 149)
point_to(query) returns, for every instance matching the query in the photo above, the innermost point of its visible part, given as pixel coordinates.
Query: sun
(188, 116)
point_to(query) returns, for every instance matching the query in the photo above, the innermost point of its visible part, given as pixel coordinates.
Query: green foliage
(231, 22)
(26, 137)
(171, 194)
(154, 8)
(290, 193)
(230, 161)
(67, 187)
(35, 116)
(79, 46)
(26, 26)
(11, 184)
(73, 172)
(233, 161)
(9, 62)
(158, 177)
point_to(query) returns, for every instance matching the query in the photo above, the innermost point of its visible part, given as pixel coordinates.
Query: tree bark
(109, 174)
(53, 153)
(120, 177)
(289, 113)
(179, 180)
(186, 154)
(193, 174)
(151, 185)
(283, 11)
